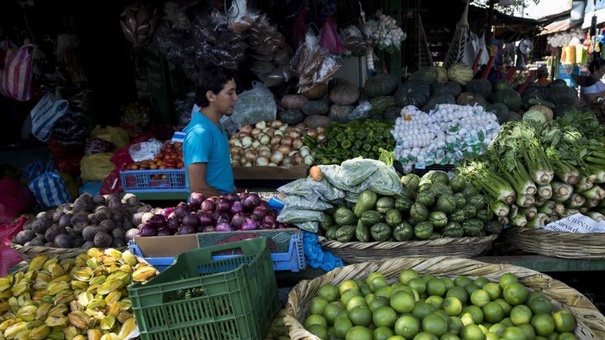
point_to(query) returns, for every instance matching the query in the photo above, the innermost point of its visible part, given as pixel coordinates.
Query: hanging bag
(44, 115)
(16, 76)
(49, 189)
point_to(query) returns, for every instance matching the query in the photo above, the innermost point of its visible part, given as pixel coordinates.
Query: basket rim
(592, 326)
(32, 251)
(557, 243)
(324, 242)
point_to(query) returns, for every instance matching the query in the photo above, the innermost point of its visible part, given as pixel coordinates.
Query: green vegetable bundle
(429, 207)
(362, 137)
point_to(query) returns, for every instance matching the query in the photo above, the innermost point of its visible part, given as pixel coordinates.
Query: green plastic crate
(200, 298)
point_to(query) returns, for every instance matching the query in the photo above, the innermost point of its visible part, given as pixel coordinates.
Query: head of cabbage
(535, 115)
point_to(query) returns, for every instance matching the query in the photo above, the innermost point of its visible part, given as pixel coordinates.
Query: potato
(88, 234)
(131, 234)
(40, 215)
(103, 240)
(102, 212)
(118, 233)
(144, 208)
(99, 200)
(78, 242)
(116, 216)
(24, 236)
(83, 203)
(40, 225)
(131, 200)
(107, 225)
(53, 231)
(79, 227)
(137, 218)
(93, 219)
(87, 245)
(36, 242)
(117, 243)
(57, 214)
(63, 241)
(65, 220)
(79, 218)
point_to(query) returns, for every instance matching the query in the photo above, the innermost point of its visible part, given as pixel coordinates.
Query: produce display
(272, 144)
(80, 298)
(425, 306)
(136, 114)
(429, 207)
(225, 213)
(537, 170)
(90, 221)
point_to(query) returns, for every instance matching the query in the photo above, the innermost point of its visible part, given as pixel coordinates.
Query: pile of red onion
(230, 212)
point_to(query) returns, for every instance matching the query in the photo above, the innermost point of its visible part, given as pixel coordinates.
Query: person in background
(592, 92)
(206, 147)
(542, 76)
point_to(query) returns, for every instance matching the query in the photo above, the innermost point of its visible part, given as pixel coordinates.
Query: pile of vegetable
(358, 138)
(272, 144)
(537, 171)
(429, 207)
(224, 213)
(445, 136)
(90, 221)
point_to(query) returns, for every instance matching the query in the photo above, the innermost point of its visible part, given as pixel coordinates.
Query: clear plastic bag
(291, 215)
(311, 189)
(361, 111)
(301, 202)
(255, 105)
(145, 150)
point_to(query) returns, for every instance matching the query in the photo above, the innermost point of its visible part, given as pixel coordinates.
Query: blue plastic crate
(293, 260)
(172, 180)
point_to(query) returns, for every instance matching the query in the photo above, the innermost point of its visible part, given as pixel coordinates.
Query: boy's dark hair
(596, 64)
(212, 78)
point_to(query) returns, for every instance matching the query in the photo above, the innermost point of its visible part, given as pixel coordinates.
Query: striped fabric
(49, 189)
(45, 114)
(16, 77)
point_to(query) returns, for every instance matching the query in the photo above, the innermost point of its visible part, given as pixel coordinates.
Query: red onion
(233, 197)
(270, 221)
(223, 227)
(238, 219)
(157, 221)
(224, 205)
(166, 212)
(186, 229)
(181, 210)
(250, 202)
(196, 199)
(236, 207)
(173, 223)
(205, 219)
(223, 218)
(208, 229)
(208, 205)
(190, 220)
(147, 230)
(250, 224)
(164, 232)
(259, 212)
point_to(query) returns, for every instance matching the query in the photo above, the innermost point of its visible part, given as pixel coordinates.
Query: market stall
(424, 207)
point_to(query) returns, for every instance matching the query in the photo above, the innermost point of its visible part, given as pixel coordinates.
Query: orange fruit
(472, 332)
(385, 291)
(455, 325)
(493, 312)
(520, 314)
(407, 274)
(540, 304)
(470, 288)
(377, 302)
(355, 301)
(543, 323)
(402, 302)
(384, 316)
(564, 321)
(461, 281)
(332, 310)
(480, 298)
(360, 316)
(320, 330)
(418, 285)
(341, 325)
(314, 319)
(347, 285)
(434, 324)
(530, 332)
(422, 309)
(317, 305)
(475, 312)
(328, 292)
(506, 307)
(459, 293)
(359, 333)
(513, 333)
(436, 287)
(493, 289)
(507, 278)
(435, 301)
(452, 306)
(383, 333)
(481, 281)
(346, 295)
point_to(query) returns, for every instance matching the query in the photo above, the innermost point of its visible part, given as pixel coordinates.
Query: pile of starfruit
(79, 298)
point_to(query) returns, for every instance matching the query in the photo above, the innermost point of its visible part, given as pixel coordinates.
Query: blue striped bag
(49, 189)
(45, 114)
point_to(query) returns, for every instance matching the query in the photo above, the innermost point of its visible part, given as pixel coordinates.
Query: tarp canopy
(594, 8)
(559, 26)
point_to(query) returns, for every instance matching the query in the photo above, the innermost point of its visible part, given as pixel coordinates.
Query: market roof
(559, 26)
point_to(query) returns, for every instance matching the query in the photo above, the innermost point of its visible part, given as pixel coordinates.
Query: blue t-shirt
(206, 143)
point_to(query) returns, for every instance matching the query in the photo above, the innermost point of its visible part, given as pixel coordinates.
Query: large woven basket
(356, 252)
(557, 244)
(29, 252)
(591, 323)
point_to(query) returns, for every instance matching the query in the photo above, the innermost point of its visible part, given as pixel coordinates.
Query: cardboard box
(166, 246)
(270, 172)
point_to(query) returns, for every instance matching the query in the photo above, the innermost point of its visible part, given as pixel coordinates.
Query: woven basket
(557, 244)
(591, 323)
(356, 252)
(28, 253)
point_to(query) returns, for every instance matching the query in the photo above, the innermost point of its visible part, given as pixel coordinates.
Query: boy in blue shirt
(206, 146)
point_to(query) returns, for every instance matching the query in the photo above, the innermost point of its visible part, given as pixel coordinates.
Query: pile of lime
(427, 307)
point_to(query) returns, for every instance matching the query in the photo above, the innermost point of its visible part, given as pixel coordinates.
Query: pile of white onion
(272, 143)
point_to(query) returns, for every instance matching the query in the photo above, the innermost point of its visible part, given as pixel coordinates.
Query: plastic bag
(145, 150)
(240, 17)
(70, 131)
(45, 114)
(254, 105)
(301, 202)
(98, 145)
(49, 189)
(96, 167)
(311, 189)
(112, 183)
(361, 111)
(316, 257)
(329, 37)
(288, 215)
(9, 256)
(121, 158)
(17, 73)
(15, 200)
(298, 29)
(69, 164)
(117, 135)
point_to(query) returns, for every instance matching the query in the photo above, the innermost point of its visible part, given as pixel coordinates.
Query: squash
(340, 113)
(315, 121)
(501, 84)
(392, 113)
(291, 117)
(439, 99)
(344, 94)
(427, 74)
(317, 92)
(413, 92)
(500, 110)
(468, 98)
(337, 81)
(460, 73)
(562, 95)
(449, 87)
(381, 104)
(482, 87)
(510, 98)
(293, 101)
(381, 84)
(548, 113)
(316, 107)
(441, 74)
